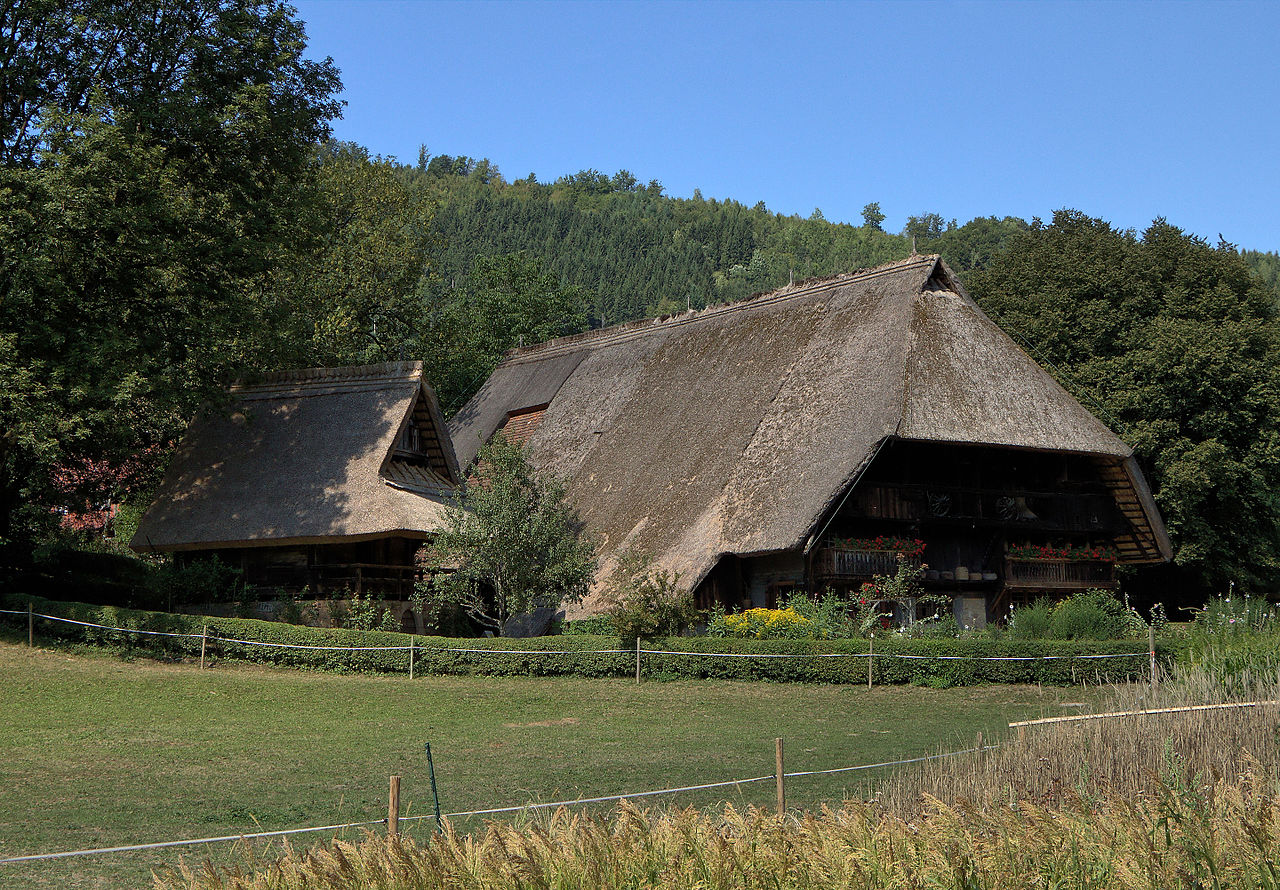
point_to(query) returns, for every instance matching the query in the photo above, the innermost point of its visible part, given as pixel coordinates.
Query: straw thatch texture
(738, 429)
(306, 457)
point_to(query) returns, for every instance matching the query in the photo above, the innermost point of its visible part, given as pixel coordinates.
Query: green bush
(1033, 621)
(598, 625)
(1092, 615)
(932, 661)
(643, 601)
(830, 613)
(197, 581)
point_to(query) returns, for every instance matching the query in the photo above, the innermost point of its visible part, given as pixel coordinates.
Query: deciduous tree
(151, 158)
(512, 541)
(1177, 344)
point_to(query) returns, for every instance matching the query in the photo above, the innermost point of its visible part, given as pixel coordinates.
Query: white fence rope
(202, 840)
(486, 812)
(849, 769)
(1181, 709)
(418, 648)
(565, 803)
(888, 655)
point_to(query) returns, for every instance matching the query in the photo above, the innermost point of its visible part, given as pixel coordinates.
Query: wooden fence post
(411, 648)
(637, 659)
(393, 808)
(31, 627)
(871, 658)
(204, 638)
(782, 795)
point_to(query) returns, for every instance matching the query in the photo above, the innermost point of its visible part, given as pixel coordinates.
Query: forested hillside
(639, 252)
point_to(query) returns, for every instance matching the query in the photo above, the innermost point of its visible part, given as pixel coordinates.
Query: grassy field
(99, 751)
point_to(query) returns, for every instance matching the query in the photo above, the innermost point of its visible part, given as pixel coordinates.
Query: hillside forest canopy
(174, 216)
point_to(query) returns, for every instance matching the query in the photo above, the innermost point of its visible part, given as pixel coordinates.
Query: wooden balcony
(380, 579)
(1049, 511)
(1058, 574)
(841, 563)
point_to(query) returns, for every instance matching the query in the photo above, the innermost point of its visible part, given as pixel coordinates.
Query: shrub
(205, 580)
(364, 614)
(1092, 615)
(643, 601)
(829, 612)
(1032, 622)
(600, 625)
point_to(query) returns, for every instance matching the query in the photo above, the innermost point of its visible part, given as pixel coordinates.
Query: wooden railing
(1059, 574)
(389, 581)
(1080, 511)
(841, 562)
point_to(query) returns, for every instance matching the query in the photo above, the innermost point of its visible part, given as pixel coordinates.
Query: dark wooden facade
(382, 567)
(974, 507)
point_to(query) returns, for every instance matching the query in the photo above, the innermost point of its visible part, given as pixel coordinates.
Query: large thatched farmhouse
(802, 439)
(328, 479)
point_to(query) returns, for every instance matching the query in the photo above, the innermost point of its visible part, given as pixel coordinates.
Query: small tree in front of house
(510, 542)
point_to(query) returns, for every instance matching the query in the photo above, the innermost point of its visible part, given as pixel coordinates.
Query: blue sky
(1126, 111)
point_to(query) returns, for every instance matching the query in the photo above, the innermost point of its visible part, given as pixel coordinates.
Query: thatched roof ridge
(739, 428)
(306, 456)
(600, 337)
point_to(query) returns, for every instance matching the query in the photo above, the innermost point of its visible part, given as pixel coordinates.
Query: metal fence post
(435, 795)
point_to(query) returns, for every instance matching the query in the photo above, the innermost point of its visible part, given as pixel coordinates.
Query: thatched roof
(738, 429)
(307, 457)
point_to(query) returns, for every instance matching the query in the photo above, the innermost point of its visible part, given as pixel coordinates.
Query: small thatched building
(764, 446)
(328, 478)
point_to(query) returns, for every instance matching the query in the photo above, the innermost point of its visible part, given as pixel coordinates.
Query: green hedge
(441, 655)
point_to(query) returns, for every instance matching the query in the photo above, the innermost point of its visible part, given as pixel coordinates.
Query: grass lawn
(101, 752)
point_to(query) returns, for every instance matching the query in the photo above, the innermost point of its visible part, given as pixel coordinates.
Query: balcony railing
(1059, 574)
(842, 562)
(387, 581)
(1083, 511)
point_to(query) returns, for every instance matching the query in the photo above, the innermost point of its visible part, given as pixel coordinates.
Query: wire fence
(417, 647)
(518, 808)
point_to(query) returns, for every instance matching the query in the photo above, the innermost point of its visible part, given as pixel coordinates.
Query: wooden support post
(1022, 734)
(204, 638)
(1151, 644)
(31, 627)
(411, 648)
(637, 660)
(782, 794)
(871, 657)
(393, 808)
(977, 742)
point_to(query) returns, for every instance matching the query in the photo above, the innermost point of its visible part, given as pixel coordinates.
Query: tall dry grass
(1072, 764)
(1229, 837)
(1152, 801)
(1068, 764)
